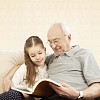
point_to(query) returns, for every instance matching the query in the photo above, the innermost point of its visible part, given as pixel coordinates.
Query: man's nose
(53, 45)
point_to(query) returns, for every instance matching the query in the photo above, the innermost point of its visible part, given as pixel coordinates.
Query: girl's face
(37, 54)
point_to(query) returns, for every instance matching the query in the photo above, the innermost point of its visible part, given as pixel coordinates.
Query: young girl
(29, 73)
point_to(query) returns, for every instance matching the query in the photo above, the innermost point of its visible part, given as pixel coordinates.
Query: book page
(40, 89)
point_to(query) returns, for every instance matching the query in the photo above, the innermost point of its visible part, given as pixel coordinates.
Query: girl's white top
(19, 77)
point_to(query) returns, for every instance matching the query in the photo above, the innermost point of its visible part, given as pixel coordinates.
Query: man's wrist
(81, 94)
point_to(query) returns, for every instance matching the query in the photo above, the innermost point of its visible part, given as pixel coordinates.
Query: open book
(40, 89)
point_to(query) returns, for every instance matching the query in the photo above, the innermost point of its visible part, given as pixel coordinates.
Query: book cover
(40, 89)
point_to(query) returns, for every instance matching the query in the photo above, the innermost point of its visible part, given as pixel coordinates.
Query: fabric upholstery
(8, 60)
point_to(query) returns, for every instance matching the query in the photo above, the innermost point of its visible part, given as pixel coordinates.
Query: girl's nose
(37, 57)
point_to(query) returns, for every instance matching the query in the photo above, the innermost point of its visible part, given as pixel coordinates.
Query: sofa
(8, 60)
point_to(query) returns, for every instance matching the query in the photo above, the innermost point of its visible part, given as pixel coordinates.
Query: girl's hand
(6, 84)
(25, 95)
(66, 91)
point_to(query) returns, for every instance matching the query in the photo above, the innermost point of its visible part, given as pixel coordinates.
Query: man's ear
(45, 48)
(69, 36)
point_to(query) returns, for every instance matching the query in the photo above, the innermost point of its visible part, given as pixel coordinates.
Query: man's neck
(68, 48)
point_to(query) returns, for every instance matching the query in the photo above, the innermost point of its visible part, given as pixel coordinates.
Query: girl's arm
(7, 79)
(14, 77)
(19, 75)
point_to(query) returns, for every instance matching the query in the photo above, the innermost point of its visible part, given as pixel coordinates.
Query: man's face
(57, 40)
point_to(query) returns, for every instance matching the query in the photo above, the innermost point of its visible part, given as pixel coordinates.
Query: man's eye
(40, 52)
(56, 41)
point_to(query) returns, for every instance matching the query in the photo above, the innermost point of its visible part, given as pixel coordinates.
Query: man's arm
(92, 91)
(7, 79)
(66, 90)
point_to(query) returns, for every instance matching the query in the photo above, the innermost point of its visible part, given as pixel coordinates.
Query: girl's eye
(33, 56)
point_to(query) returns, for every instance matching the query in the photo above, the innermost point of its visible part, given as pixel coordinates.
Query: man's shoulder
(50, 55)
(49, 58)
(80, 51)
(83, 51)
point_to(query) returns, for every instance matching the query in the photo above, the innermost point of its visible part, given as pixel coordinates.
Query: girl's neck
(42, 66)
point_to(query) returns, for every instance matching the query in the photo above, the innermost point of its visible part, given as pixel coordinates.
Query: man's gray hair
(65, 28)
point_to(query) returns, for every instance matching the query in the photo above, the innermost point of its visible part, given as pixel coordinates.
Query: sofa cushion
(8, 60)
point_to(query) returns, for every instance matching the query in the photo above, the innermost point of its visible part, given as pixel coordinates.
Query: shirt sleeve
(91, 69)
(19, 75)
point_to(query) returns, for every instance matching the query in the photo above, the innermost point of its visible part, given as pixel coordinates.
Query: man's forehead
(54, 32)
(54, 35)
(55, 29)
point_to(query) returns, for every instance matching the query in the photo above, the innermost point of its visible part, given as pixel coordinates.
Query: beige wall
(21, 18)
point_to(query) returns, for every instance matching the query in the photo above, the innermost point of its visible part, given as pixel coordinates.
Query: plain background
(20, 19)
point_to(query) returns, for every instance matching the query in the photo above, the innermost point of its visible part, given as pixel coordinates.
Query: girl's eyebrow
(39, 51)
(32, 54)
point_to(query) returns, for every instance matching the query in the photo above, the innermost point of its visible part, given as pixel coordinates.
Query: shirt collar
(71, 52)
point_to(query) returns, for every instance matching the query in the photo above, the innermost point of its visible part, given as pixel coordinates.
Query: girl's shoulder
(22, 67)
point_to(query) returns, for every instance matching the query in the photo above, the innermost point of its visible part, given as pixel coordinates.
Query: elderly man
(72, 65)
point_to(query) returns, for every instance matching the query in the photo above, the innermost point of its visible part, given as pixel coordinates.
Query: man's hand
(6, 84)
(66, 91)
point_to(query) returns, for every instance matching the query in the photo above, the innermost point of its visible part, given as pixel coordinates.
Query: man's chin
(58, 53)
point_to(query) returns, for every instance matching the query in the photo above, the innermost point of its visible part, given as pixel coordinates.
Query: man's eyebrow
(54, 39)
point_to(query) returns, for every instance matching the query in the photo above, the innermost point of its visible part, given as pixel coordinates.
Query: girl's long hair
(31, 67)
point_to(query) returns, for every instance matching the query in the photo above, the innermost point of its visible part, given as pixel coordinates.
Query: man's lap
(55, 97)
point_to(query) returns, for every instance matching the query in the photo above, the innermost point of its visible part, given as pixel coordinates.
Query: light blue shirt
(76, 67)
